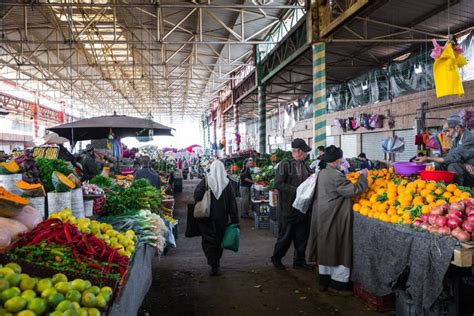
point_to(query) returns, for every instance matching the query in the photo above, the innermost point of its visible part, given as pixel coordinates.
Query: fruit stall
(72, 248)
(412, 237)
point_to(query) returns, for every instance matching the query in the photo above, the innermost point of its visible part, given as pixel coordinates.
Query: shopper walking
(330, 242)
(245, 186)
(293, 226)
(223, 211)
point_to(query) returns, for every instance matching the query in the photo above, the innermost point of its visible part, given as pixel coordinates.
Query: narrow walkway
(249, 284)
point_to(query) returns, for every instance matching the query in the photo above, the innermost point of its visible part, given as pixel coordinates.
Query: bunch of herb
(102, 182)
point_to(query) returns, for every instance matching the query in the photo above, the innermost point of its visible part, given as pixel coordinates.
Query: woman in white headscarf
(223, 211)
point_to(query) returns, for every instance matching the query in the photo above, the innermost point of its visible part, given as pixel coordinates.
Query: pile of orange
(393, 199)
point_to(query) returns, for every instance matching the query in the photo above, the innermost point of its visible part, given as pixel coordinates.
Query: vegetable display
(89, 189)
(24, 295)
(61, 183)
(102, 182)
(9, 167)
(10, 203)
(141, 195)
(47, 167)
(31, 189)
(84, 247)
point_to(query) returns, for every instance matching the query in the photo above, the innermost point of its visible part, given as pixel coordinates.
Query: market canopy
(100, 127)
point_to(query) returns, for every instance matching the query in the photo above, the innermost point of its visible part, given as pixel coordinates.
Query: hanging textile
(446, 70)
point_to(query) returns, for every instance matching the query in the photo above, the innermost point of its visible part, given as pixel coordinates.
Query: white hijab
(217, 179)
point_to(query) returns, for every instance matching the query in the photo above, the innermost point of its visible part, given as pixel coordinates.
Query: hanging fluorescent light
(4, 111)
(418, 68)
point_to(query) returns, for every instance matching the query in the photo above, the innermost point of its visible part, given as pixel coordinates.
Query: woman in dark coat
(223, 211)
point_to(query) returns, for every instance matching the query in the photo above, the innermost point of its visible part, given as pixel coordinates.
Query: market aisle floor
(249, 284)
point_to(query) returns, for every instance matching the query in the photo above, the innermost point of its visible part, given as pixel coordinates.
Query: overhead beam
(345, 17)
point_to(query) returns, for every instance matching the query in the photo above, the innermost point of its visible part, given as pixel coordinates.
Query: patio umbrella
(100, 127)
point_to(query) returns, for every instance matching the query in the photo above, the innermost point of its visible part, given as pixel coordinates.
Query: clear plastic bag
(304, 194)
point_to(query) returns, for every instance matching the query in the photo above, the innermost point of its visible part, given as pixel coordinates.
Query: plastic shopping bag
(304, 194)
(231, 238)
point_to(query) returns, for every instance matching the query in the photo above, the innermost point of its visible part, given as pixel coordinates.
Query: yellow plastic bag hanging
(446, 72)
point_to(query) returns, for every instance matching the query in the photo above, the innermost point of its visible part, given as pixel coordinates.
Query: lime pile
(124, 243)
(23, 295)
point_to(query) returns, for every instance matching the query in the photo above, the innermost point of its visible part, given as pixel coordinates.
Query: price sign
(46, 152)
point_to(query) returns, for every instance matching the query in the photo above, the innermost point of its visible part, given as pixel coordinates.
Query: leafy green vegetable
(141, 195)
(102, 182)
(46, 168)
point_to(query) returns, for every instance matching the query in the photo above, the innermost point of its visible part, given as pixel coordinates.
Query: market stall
(408, 232)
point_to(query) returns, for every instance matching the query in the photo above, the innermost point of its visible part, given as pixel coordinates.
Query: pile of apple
(456, 219)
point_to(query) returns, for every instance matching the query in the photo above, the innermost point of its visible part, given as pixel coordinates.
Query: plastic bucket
(77, 203)
(8, 182)
(39, 203)
(58, 201)
(88, 208)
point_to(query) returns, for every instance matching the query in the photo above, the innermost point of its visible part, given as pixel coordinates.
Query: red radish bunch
(456, 219)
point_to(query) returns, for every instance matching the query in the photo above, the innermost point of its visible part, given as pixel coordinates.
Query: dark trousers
(297, 233)
(211, 241)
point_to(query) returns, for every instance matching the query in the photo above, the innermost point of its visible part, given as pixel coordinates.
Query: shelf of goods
(407, 234)
(98, 265)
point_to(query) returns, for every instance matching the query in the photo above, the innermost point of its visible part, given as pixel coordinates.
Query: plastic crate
(274, 228)
(261, 222)
(259, 193)
(377, 303)
(404, 306)
(261, 208)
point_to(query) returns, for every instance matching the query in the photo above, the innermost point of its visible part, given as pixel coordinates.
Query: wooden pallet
(464, 255)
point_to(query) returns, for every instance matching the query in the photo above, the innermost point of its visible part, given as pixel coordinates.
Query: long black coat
(287, 180)
(223, 209)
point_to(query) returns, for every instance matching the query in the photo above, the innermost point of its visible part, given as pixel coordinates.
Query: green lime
(75, 305)
(100, 301)
(64, 305)
(6, 271)
(106, 296)
(13, 278)
(88, 284)
(59, 277)
(37, 305)
(24, 276)
(26, 313)
(28, 295)
(56, 313)
(8, 294)
(94, 290)
(93, 312)
(70, 312)
(14, 266)
(107, 289)
(88, 300)
(63, 287)
(44, 284)
(28, 284)
(73, 296)
(55, 299)
(48, 292)
(78, 285)
(4, 284)
(82, 312)
(15, 304)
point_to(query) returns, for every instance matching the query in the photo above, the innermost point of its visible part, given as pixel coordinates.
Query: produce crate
(259, 193)
(168, 203)
(377, 303)
(261, 222)
(404, 306)
(262, 209)
(274, 228)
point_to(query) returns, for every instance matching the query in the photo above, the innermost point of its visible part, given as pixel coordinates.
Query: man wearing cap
(293, 225)
(460, 159)
(330, 241)
(89, 164)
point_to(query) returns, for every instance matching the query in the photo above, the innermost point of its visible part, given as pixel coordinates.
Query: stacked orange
(393, 199)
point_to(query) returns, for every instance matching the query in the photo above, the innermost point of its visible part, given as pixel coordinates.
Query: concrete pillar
(214, 132)
(262, 120)
(236, 127)
(223, 132)
(319, 94)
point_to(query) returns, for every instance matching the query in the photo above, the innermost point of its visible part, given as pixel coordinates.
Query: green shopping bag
(231, 238)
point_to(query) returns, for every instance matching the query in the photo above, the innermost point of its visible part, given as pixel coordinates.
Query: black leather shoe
(215, 271)
(304, 266)
(278, 265)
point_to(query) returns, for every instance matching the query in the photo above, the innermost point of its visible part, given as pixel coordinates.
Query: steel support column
(223, 141)
(236, 128)
(35, 110)
(319, 94)
(214, 132)
(262, 120)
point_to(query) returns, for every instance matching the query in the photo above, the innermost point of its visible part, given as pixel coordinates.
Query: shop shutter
(410, 148)
(372, 145)
(349, 146)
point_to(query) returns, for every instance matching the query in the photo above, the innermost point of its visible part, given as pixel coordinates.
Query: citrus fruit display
(49, 296)
(393, 199)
